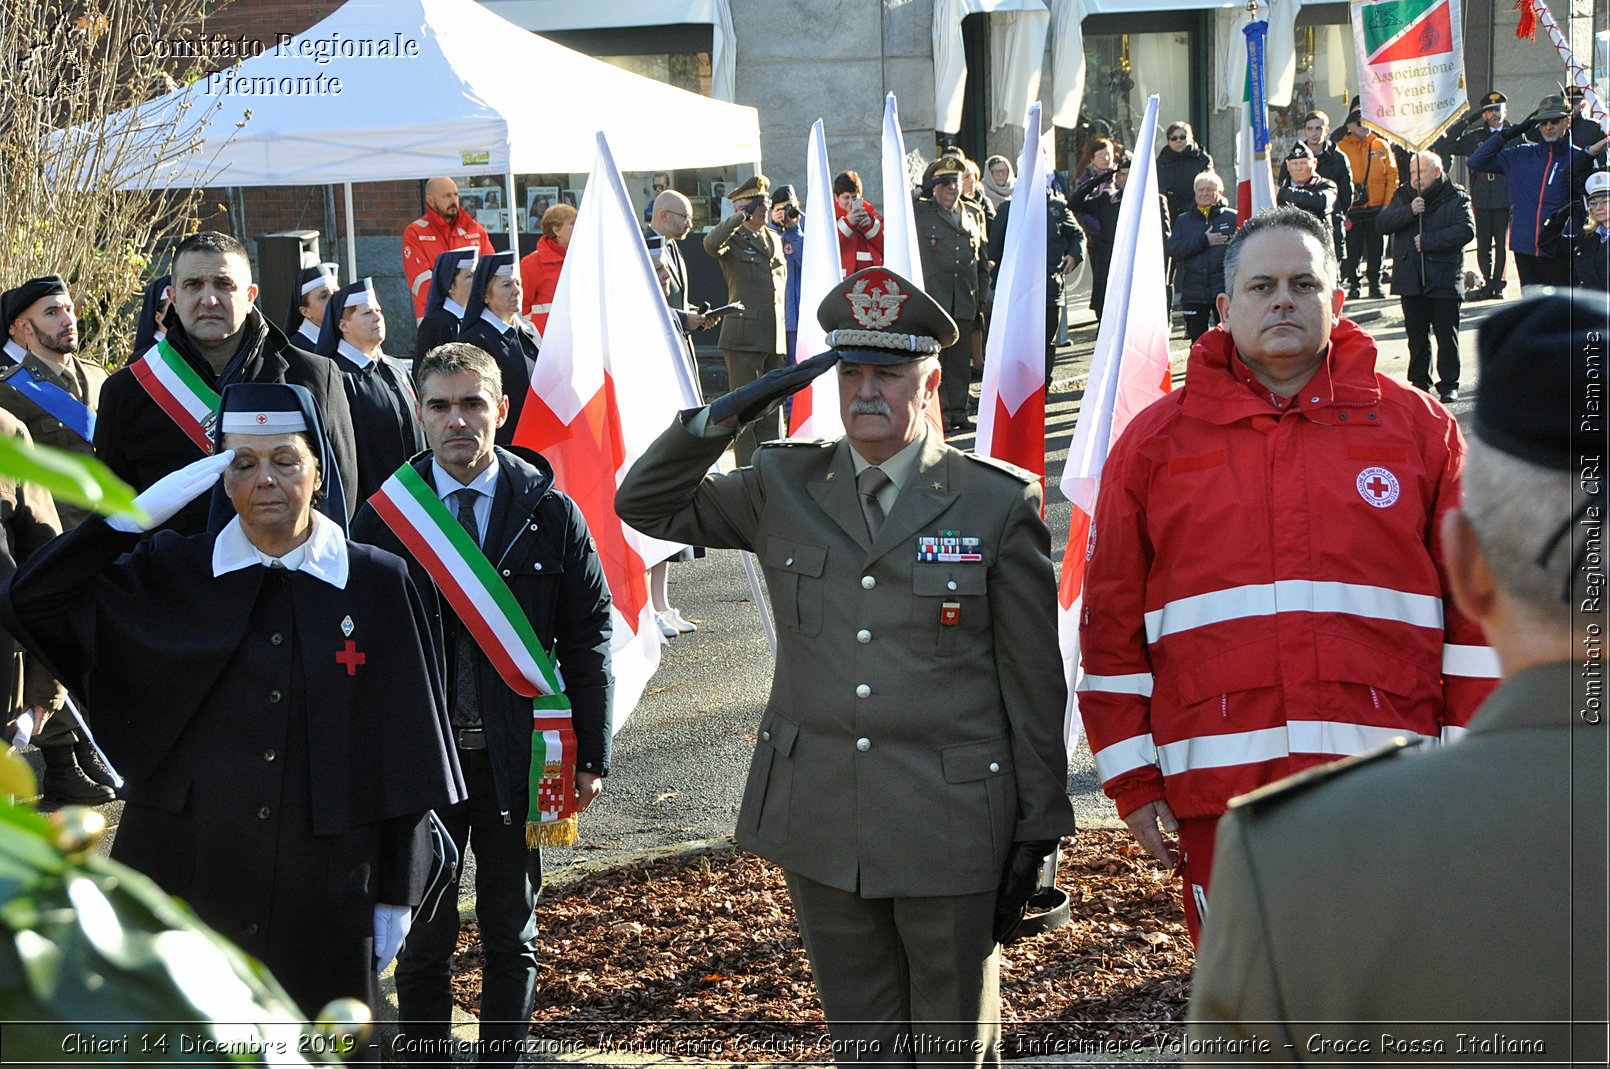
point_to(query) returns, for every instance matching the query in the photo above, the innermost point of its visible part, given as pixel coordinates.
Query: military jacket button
(863, 636)
(994, 767)
(274, 697)
(264, 813)
(863, 745)
(269, 755)
(867, 582)
(863, 691)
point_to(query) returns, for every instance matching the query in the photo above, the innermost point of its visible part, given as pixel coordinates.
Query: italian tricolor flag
(1254, 186)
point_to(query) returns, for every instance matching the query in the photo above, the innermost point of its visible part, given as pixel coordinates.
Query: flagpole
(1579, 74)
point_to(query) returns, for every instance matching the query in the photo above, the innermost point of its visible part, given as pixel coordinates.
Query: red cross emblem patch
(262, 418)
(1378, 487)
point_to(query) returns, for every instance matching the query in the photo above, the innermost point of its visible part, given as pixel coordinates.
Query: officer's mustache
(874, 406)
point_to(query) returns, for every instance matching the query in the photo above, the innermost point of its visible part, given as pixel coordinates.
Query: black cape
(276, 785)
(382, 400)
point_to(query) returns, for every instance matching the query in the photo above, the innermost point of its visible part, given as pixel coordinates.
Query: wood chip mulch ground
(698, 956)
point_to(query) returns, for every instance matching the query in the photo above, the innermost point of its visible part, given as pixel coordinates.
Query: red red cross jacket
(859, 246)
(1266, 589)
(427, 238)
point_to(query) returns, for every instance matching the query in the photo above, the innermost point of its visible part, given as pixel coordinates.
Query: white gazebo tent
(406, 89)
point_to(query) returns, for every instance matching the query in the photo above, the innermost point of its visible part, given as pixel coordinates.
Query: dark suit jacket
(899, 755)
(537, 539)
(1449, 888)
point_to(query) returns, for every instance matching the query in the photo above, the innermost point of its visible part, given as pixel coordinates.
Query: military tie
(869, 484)
(466, 693)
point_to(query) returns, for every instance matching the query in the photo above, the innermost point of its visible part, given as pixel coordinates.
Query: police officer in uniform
(955, 271)
(752, 341)
(910, 831)
(1585, 131)
(1416, 893)
(1489, 199)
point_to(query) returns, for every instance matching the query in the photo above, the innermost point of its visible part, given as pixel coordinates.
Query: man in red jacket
(1266, 591)
(442, 227)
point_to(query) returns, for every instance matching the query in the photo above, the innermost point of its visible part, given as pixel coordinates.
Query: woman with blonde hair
(539, 269)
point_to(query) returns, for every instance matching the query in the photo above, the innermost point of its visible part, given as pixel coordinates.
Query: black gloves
(749, 402)
(1018, 883)
(1520, 129)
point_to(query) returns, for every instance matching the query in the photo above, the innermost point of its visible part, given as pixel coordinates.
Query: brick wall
(379, 209)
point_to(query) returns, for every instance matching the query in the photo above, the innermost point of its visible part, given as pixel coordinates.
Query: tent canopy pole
(352, 239)
(514, 222)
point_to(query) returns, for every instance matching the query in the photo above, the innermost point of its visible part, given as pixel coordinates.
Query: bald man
(443, 226)
(1429, 222)
(672, 219)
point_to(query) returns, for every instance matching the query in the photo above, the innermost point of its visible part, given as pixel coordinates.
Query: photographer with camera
(752, 340)
(788, 223)
(860, 227)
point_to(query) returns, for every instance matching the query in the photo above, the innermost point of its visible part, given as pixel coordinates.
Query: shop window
(1121, 72)
(1325, 75)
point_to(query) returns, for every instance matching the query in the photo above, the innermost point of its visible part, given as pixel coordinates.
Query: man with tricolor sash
(54, 394)
(156, 414)
(522, 618)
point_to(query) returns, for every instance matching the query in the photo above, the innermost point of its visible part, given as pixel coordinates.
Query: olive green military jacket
(914, 727)
(955, 269)
(1460, 885)
(756, 273)
(45, 428)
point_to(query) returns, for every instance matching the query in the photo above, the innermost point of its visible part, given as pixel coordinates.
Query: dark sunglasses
(1178, 137)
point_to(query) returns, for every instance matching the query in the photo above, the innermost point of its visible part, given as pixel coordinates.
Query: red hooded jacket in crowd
(539, 279)
(859, 246)
(1266, 589)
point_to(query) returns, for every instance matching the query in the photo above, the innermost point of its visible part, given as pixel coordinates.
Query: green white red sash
(176, 388)
(487, 608)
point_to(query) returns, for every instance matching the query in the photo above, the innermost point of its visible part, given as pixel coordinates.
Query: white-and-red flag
(815, 409)
(1011, 408)
(899, 228)
(900, 253)
(1254, 183)
(1128, 371)
(611, 377)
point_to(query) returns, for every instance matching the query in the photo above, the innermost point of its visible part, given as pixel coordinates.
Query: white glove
(163, 499)
(391, 926)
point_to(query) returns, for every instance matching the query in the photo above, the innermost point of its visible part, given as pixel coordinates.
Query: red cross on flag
(611, 378)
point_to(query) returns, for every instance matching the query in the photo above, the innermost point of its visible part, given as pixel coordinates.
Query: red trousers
(1195, 867)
